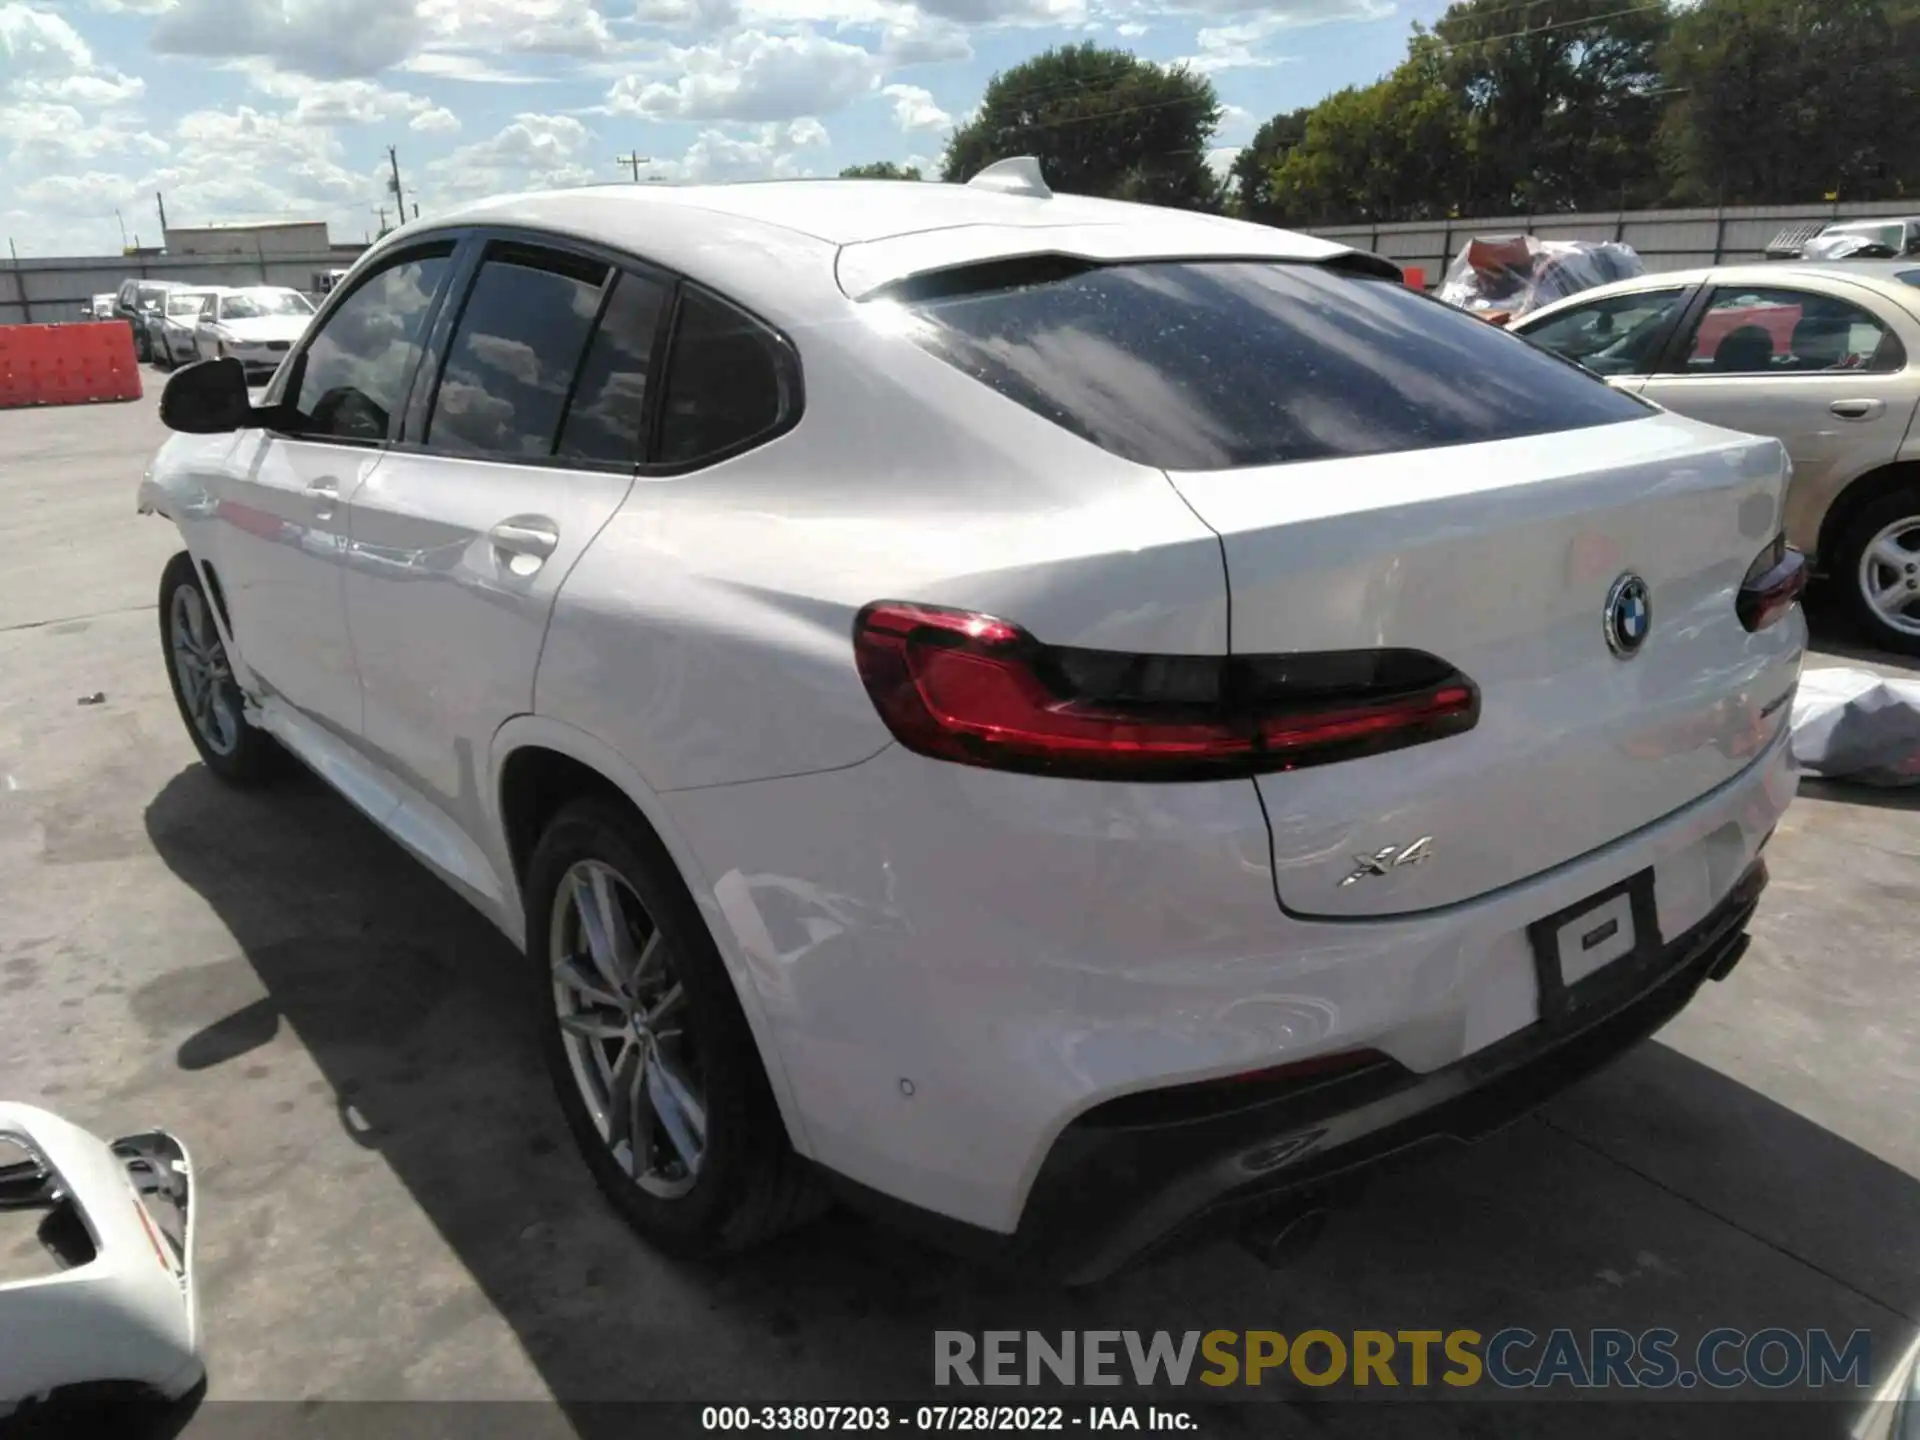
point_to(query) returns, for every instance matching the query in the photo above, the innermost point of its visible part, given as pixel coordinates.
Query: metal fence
(49, 290)
(1665, 239)
(41, 292)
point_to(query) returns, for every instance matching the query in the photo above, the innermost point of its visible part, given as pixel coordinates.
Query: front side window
(1750, 330)
(1194, 365)
(513, 355)
(730, 382)
(1619, 335)
(354, 375)
(185, 304)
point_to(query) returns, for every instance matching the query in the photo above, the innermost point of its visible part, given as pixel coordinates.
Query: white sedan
(256, 325)
(1046, 715)
(1825, 358)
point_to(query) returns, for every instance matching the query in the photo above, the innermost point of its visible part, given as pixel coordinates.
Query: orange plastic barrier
(1416, 277)
(67, 364)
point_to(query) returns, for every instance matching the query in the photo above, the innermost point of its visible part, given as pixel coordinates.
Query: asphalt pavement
(392, 1211)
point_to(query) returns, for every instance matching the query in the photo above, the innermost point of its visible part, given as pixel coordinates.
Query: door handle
(324, 494)
(1857, 409)
(531, 536)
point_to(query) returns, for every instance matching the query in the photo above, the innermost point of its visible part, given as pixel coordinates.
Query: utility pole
(399, 199)
(381, 211)
(633, 162)
(121, 219)
(161, 201)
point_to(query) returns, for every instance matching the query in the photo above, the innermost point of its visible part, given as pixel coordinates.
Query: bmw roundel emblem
(1628, 616)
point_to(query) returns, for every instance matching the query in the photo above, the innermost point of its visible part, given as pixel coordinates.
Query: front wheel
(655, 1067)
(203, 685)
(1879, 569)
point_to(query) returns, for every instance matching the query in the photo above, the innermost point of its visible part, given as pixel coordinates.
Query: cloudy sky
(258, 109)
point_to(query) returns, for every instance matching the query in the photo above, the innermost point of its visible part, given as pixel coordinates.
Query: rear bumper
(1107, 1193)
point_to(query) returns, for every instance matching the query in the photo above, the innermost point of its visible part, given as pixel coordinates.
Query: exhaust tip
(1280, 1237)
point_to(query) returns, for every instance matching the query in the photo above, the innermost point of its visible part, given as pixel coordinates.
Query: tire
(746, 1184)
(232, 749)
(1889, 528)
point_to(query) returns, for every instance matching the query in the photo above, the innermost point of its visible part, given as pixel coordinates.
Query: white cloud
(751, 76)
(1133, 29)
(445, 65)
(37, 44)
(339, 102)
(533, 152)
(913, 108)
(711, 15)
(1239, 46)
(1220, 160)
(763, 152)
(329, 39)
(549, 27)
(437, 121)
(1011, 12)
(916, 40)
(1235, 120)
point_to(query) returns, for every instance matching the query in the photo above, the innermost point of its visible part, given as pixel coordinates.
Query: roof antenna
(1019, 175)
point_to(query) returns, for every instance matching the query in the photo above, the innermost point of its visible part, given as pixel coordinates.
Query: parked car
(176, 328)
(138, 302)
(1045, 714)
(1824, 357)
(1891, 238)
(99, 307)
(256, 325)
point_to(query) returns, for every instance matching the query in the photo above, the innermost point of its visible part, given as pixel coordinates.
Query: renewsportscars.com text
(1509, 1359)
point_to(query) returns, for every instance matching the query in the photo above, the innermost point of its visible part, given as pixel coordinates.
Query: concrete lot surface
(392, 1210)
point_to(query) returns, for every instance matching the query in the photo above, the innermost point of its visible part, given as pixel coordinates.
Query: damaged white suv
(1053, 717)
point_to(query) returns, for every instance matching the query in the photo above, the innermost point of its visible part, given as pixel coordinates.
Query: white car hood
(266, 328)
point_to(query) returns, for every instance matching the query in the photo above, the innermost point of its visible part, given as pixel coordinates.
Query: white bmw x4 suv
(1054, 717)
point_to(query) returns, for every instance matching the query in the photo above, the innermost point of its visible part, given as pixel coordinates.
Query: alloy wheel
(1889, 577)
(207, 690)
(622, 1012)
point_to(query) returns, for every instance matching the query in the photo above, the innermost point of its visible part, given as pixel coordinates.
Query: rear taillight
(981, 691)
(1772, 584)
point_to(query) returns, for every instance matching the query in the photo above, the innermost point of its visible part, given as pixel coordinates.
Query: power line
(633, 161)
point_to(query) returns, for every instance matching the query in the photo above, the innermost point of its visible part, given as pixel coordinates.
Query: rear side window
(354, 373)
(606, 422)
(731, 383)
(514, 352)
(1219, 365)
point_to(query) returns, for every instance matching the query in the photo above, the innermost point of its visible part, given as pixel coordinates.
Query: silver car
(1824, 357)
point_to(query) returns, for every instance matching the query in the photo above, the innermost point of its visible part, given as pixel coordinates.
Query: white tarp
(1855, 725)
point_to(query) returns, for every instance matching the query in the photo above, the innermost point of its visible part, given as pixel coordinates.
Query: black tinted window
(513, 355)
(728, 382)
(1210, 366)
(607, 420)
(354, 375)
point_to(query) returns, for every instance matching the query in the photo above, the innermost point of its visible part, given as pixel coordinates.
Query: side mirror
(208, 397)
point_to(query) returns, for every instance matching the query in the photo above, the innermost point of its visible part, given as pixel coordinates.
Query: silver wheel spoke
(595, 1025)
(681, 1114)
(668, 1005)
(587, 986)
(1884, 596)
(597, 926)
(629, 1121)
(1888, 551)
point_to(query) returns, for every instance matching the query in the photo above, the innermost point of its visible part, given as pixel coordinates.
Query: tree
(1253, 167)
(1792, 100)
(1101, 122)
(1563, 100)
(1392, 150)
(881, 170)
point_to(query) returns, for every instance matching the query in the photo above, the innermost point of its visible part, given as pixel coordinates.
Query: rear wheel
(654, 1065)
(203, 685)
(1879, 569)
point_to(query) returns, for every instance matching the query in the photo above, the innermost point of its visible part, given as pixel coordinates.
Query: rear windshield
(1214, 366)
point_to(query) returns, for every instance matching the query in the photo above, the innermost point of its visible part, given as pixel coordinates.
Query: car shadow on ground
(415, 1012)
